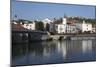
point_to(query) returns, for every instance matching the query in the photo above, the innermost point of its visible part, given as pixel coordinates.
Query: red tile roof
(17, 27)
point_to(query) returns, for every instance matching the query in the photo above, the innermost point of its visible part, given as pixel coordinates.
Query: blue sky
(36, 10)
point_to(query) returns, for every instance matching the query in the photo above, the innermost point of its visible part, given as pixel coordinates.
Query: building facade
(84, 27)
(61, 28)
(46, 21)
(71, 29)
(30, 26)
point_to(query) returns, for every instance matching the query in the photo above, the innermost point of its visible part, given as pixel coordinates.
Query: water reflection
(86, 46)
(54, 52)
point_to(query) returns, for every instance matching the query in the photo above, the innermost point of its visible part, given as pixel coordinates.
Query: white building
(52, 28)
(84, 26)
(65, 28)
(30, 26)
(61, 28)
(94, 30)
(64, 21)
(45, 21)
(71, 29)
(14, 22)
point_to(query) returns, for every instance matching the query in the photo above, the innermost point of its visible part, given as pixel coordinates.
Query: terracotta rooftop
(17, 27)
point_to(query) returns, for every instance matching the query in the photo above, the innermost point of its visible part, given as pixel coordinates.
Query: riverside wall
(25, 37)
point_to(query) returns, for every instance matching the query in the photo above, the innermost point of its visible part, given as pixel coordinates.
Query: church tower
(64, 19)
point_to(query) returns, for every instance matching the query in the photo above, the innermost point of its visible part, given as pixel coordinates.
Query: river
(50, 52)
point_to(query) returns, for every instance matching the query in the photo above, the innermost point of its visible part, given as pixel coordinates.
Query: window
(26, 24)
(87, 28)
(73, 29)
(30, 25)
(87, 25)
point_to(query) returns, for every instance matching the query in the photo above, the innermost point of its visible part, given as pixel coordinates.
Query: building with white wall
(65, 28)
(84, 27)
(30, 26)
(64, 21)
(46, 21)
(14, 22)
(94, 30)
(52, 28)
(61, 28)
(71, 29)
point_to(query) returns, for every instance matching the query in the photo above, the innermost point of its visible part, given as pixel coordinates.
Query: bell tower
(64, 20)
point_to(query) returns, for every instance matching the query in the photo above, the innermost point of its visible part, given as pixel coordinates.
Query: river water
(49, 52)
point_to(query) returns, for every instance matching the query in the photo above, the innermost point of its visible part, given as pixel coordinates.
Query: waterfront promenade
(74, 36)
(27, 36)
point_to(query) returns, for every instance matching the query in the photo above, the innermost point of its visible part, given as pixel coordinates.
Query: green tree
(39, 25)
(47, 27)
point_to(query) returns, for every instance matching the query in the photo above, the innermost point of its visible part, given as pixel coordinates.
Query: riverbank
(73, 36)
(21, 36)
